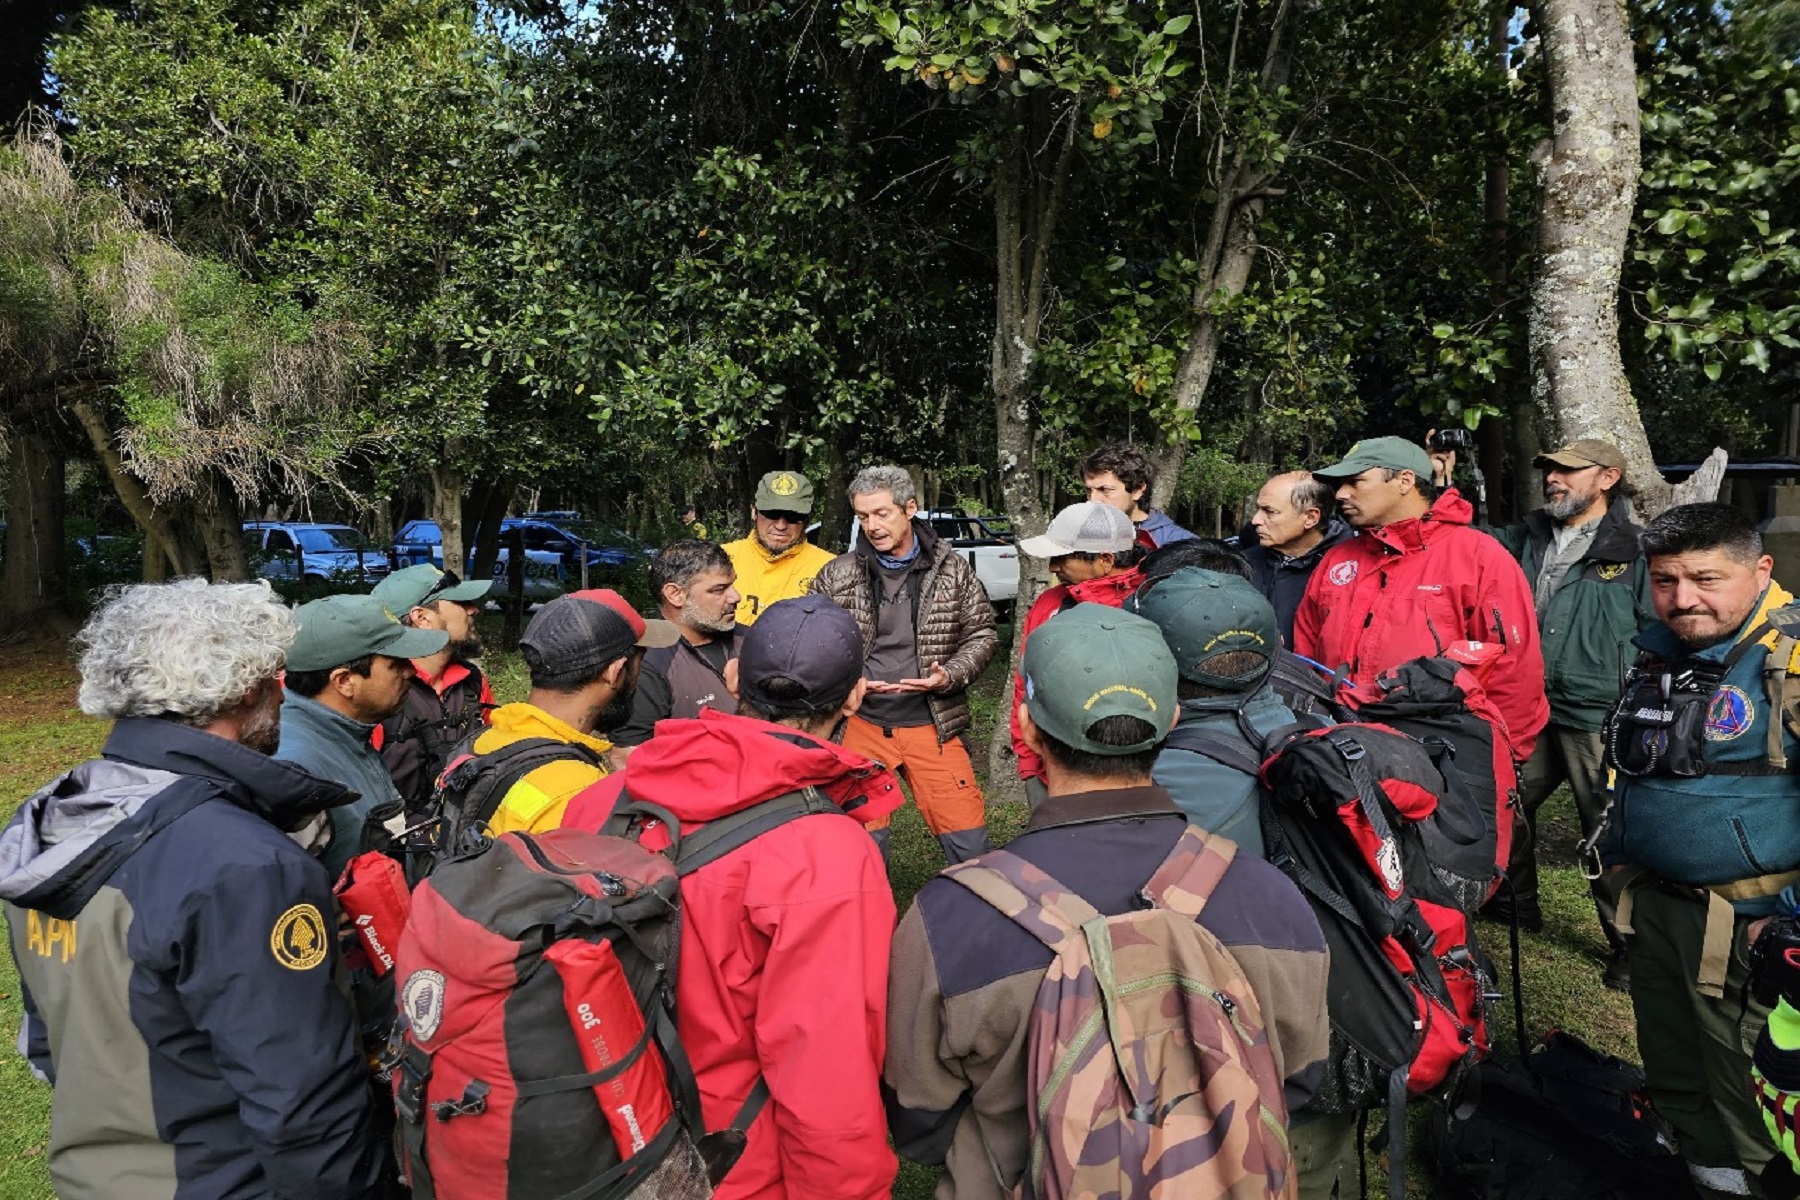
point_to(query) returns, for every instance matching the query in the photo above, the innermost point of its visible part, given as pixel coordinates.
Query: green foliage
(1715, 278)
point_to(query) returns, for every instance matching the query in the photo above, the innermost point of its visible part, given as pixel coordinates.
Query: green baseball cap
(407, 589)
(1204, 614)
(1389, 453)
(1093, 662)
(784, 491)
(341, 629)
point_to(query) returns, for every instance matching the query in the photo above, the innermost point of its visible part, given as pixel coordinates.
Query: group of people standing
(171, 902)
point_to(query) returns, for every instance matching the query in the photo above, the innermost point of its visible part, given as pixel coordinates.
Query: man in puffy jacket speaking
(1416, 580)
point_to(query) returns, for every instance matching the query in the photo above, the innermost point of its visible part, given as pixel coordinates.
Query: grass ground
(42, 734)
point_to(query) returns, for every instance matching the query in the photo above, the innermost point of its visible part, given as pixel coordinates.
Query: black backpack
(1343, 817)
(468, 794)
(1566, 1122)
(1429, 698)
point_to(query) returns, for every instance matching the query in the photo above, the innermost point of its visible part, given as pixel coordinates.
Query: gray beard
(719, 628)
(1571, 504)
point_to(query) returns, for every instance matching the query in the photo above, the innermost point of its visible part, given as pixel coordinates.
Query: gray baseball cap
(1086, 528)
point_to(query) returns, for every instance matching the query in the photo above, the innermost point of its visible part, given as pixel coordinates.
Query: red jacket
(1415, 588)
(784, 950)
(1109, 590)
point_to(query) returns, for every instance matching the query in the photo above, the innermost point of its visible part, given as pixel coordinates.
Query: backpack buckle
(1349, 747)
(409, 1097)
(472, 1104)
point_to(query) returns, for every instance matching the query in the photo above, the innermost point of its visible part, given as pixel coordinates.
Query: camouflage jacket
(964, 979)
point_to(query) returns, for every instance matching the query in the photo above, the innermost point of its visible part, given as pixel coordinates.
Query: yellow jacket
(536, 802)
(764, 578)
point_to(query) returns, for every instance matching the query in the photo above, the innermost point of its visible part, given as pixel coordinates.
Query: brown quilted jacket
(954, 621)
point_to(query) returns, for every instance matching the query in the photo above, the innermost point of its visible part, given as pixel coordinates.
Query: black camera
(1450, 439)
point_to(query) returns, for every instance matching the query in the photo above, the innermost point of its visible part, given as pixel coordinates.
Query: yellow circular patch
(298, 939)
(784, 485)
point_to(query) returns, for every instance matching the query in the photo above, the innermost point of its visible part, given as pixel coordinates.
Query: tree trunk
(1590, 187)
(1226, 258)
(488, 515)
(1028, 199)
(447, 486)
(159, 533)
(34, 533)
(220, 523)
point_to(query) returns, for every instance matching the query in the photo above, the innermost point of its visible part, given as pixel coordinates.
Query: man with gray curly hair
(928, 630)
(176, 948)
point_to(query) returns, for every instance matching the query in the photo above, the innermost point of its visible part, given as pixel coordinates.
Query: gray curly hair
(892, 480)
(187, 650)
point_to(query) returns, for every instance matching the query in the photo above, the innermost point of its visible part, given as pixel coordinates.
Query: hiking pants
(1563, 755)
(1696, 1049)
(1324, 1155)
(940, 777)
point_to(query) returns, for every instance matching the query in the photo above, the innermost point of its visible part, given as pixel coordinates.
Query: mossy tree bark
(1590, 179)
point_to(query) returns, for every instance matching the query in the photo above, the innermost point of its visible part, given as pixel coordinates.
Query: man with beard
(193, 1031)
(776, 562)
(694, 586)
(583, 651)
(347, 671)
(1703, 839)
(449, 698)
(1581, 554)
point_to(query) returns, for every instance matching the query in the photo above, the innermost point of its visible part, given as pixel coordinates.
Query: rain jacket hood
(717, 764)
(784, 949)
(50, 846)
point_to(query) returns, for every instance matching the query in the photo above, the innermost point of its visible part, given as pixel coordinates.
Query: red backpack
(537, 1056)
(1347, 816)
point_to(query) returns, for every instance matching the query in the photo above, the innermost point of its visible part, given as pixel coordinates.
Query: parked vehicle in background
(307, 552)
(568, 534)
(988, 544)
(546, 574)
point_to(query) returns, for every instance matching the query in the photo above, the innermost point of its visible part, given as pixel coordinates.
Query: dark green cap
(1203, 614)
(1093, 662)
(1390, 453)
(784, 491)
(341, 629)
(407, 589)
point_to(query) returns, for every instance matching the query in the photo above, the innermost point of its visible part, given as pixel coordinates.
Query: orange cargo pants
(940, 777)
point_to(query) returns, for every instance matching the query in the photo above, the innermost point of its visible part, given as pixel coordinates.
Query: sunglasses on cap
(446, 581)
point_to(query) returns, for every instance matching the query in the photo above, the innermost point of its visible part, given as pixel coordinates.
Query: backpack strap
(1022, 893)
(717, 838)
(1229, 751)
(1186, 879)
(1776, 689)
(499, 769)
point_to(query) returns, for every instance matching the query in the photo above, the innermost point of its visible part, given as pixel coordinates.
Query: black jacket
(1283, 579)
(178, 953)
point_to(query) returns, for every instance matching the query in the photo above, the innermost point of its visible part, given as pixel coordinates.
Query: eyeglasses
(446, 581)
(782, 518)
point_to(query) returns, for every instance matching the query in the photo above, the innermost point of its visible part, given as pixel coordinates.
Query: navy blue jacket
(178, 953)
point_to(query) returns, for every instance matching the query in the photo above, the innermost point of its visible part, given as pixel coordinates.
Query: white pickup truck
(987, 542)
